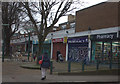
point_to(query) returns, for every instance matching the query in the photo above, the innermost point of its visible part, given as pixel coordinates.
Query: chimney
(71, 18)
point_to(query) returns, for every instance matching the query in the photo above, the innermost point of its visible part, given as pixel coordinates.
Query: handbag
(40, 61)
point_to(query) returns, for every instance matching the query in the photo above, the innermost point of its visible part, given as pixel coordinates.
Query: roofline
(92, 6)
(67, 22)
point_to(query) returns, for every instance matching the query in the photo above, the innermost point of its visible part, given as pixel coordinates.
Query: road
(13, 73)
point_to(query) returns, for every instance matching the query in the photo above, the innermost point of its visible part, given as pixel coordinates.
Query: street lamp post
(28, 46)
(67, 45)
(25, 42)
(69, 62)
(51, 62)
(89, 43)
(51, 45)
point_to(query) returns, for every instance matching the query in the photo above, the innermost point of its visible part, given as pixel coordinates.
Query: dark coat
(46, 61)
(58, 52)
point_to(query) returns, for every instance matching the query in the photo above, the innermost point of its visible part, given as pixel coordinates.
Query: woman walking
(45, 65)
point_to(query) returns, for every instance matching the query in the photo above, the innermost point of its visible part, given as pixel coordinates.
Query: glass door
(98, 50)
(116, 51)
(107, 52)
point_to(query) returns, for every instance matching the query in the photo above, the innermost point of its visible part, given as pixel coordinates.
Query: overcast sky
(88, 4)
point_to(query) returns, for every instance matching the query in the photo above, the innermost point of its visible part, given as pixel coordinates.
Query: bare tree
(11, 21)
(48, 12)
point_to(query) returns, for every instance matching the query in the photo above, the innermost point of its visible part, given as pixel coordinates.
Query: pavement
(61, 68)
(0, 70)
(12, 72)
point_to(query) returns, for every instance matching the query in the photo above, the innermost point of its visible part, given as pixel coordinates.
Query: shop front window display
(106, 55)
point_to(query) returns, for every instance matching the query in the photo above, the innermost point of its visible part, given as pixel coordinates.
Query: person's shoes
(43, 78)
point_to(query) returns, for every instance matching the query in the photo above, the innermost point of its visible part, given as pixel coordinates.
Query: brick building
(101, 24)
(100, 16)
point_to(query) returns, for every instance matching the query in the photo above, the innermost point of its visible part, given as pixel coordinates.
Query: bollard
(110, 66)
(3, 52)
(69, 66)
(51, 66)
(97, 66)
(3, 45)
(119, 62)
(83, 66)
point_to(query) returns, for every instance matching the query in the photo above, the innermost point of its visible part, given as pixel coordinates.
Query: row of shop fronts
(88, 40)
(74, 49)
(87, 48)
(103, 47)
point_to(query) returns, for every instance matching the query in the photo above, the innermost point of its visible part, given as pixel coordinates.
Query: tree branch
(31, 17)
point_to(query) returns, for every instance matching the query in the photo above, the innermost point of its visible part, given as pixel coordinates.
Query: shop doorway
(78, 52)
(116, 51)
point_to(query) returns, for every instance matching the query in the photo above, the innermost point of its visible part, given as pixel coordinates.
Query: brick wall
(100, 16)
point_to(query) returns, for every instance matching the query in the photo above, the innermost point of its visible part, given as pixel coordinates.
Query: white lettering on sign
(58, 40)
(105, 36)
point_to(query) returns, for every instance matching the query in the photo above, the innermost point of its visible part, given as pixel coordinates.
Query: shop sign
(36, 41)
(57, 40)
(104, 36)
(65, 39)
(78, 40)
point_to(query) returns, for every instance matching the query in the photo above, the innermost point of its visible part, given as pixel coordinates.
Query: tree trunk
(7, 41)
(7, 47)
(5, 28)
(40, 45)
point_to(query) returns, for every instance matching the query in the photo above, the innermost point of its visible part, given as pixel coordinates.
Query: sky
(92, 2)
(88, 4)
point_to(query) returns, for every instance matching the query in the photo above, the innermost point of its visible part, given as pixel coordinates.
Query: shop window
(107, 51)
(102, 51)
(98, 50)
